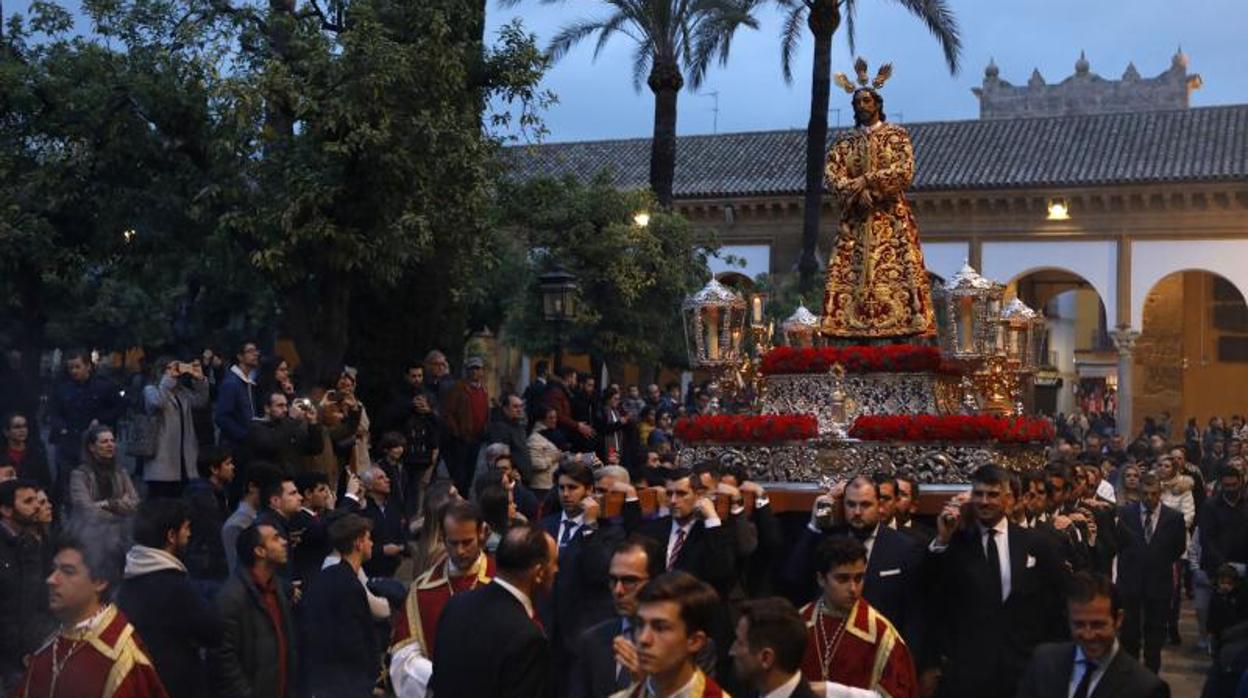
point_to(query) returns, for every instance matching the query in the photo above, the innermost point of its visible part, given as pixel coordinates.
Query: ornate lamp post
(1018, 323)
(558, 304)
(714, 320)
(973, 338)
(801, 328)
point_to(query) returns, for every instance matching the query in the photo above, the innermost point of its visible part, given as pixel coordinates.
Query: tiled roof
(1191, 145)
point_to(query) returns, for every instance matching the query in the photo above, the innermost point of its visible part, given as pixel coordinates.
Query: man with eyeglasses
(606, 661)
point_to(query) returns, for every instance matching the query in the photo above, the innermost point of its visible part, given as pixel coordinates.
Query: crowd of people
(281, 540)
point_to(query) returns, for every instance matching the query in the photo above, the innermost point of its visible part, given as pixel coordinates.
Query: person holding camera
(177, 389)
(284, 437)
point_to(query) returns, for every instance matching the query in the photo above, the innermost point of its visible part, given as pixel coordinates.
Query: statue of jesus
(877, 286)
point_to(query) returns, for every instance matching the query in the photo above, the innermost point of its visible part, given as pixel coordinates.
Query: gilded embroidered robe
(877, 285)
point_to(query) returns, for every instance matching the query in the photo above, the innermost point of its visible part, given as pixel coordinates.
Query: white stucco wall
(1096, 261)
(944, 259)
(1151, 261)
(757, 260)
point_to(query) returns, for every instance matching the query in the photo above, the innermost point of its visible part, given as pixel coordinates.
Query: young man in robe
(674, 615)
(96, 652)
(851, 650)
(466, 567)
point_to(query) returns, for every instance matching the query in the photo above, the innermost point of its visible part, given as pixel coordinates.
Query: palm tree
(823, 18)
(674, 39)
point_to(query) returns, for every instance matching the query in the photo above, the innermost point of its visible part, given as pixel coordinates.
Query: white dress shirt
(785, 689)
(578, 521)
(1002, 539)
(688, 529)
(1076, 674)
(522, 597)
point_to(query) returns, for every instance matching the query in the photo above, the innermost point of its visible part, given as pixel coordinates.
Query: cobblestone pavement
(1184, 667)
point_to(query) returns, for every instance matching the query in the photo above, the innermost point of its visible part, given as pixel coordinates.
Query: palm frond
(642, 59)
(572, 34)
(938, 17)
(717, 25)
(791, 37)
(849, 8)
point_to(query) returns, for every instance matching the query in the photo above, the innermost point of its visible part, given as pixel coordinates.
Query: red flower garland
(896, 358)
(740, 428)
(931, 427)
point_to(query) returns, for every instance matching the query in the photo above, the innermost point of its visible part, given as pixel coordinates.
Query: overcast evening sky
(597, 101)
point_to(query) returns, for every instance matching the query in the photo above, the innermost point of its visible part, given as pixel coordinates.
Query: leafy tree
(823, 18)
(675, 40)
(632, 278)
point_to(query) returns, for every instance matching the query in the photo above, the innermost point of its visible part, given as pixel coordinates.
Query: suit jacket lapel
(1018, 556)
(1111, 683)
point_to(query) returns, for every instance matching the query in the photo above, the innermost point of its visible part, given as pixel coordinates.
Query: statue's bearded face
(866, 108)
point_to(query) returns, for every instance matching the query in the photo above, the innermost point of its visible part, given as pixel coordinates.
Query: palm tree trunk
(823, 20)
(665, 81)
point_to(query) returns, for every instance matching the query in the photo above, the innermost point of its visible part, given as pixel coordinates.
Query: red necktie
(538, 622)
(677, 546)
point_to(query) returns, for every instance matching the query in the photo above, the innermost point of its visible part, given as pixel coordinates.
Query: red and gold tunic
(877, 284)
(703, 686)
(417, 621)
(867, 652)
(102, 658)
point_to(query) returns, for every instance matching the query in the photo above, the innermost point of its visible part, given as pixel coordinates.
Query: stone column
(1124, 339)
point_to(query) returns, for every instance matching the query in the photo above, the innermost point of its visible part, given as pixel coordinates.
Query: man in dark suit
(505, 654)
(768, 648)
(894, 560)
(1002, 591)
(905, 506)
(581, 597)
(694, 540)
(597, 671)
(1151, 538)
(340, 652)
(1092, 666)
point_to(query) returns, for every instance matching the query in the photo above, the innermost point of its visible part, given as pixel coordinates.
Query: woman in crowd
(275, 377)
(429, 546)
(100, 490)
(1128, 484)
(26, 455)
(176, 390)
(545, 453)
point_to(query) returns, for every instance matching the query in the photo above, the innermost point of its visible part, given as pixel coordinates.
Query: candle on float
(712, 334)
(758, 310)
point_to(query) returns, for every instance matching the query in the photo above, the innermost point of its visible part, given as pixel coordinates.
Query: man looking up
(415, 627)
(674, 616)
(257, 653)
(159, 599)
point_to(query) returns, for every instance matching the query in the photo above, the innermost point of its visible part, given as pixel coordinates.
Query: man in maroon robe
(96, 653)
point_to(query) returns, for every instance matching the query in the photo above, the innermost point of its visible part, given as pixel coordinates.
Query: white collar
(522, 597)
(1002, 526)
(685, 691)
(873, 127)
(90, 622)
(786, 689)
(687, 528)
(241, 374)
(579, 519)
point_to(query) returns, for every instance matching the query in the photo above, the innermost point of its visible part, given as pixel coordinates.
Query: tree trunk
(317, 318)
(823, 20)
(665, 81)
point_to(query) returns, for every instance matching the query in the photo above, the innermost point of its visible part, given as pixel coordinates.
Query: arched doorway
(1191, 360)
(1080, 363)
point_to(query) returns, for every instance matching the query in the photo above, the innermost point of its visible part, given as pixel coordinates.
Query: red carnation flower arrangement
(897, 358)
(752, 429)
(931, 427)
